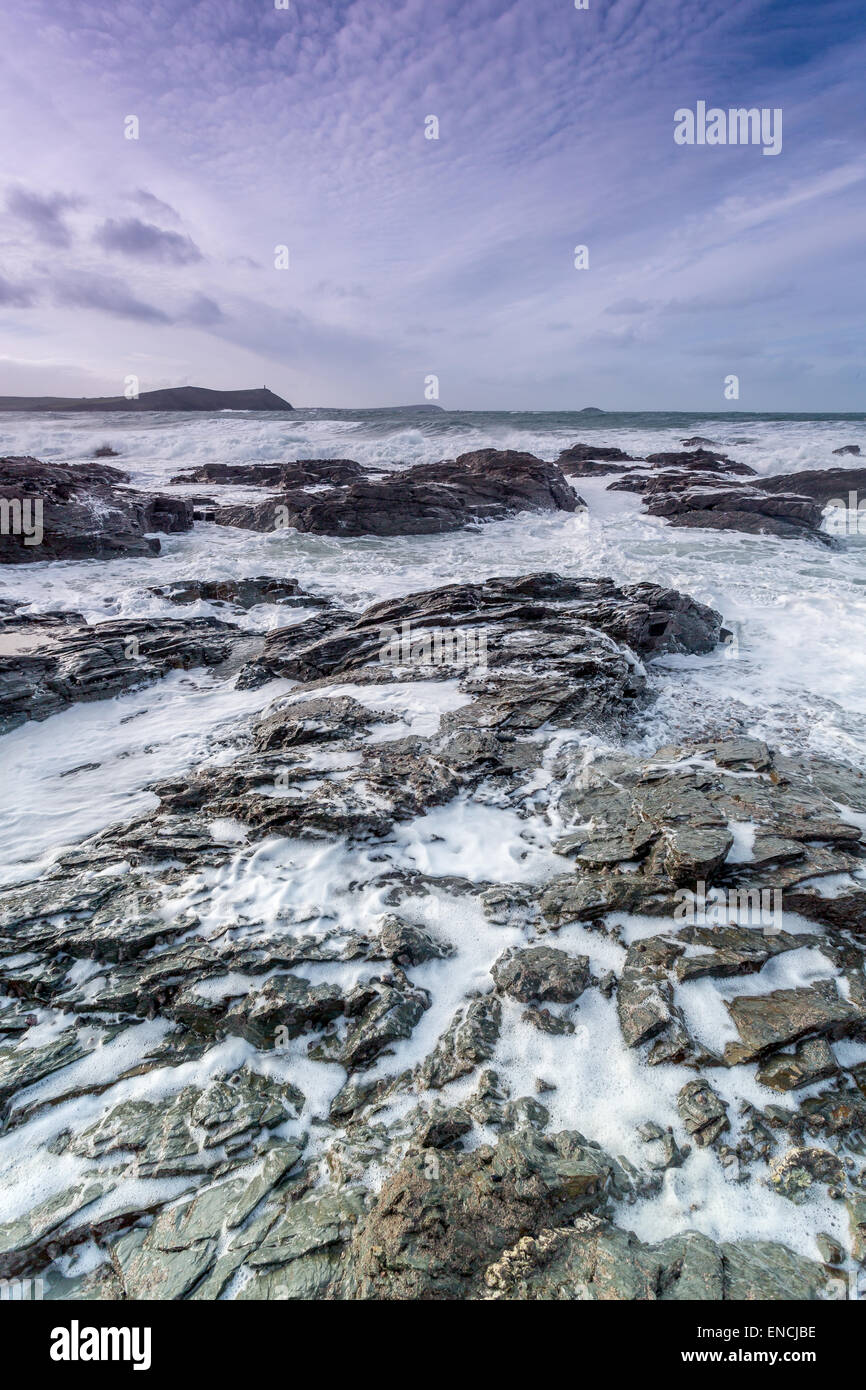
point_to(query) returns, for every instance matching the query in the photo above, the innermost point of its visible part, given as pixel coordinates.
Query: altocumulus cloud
(147, 242)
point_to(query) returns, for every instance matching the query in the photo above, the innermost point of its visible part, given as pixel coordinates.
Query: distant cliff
(172, 398)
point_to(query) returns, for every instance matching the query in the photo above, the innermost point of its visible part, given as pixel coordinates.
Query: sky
(306, 128)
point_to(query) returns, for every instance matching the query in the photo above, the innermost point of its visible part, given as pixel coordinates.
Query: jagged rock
(593, 1260)
(288, 725)
(301, 473)
(728, 951)
(856, 1204)
(240, 593)
(699, 491)
(810, 1061)
(194, 1130)
(470, 1038)
(525, 1112)
(83, 663)
(406, 944)
(430, 498)
(551, 636)
(830, 1250)
(588, 460)
(546, 1022)
(794, 1173)
(703, 1112)
(541, 973)
(849, 449)
(389, 1014)
(434, 1237)
(644, 996)
(285, 1006)
(766, 1022)
(178, 1249)
(83, 512)
(649, 837)
(444, 1128)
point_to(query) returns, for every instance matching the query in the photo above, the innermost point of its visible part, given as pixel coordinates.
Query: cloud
(147, 242)
(203, 311)
(81, 290)
(155, 206)
(43, 214)
(15, 296)
(630, 306)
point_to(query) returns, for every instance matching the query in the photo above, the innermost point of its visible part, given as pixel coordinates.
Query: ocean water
(796, 672)
(795, 675)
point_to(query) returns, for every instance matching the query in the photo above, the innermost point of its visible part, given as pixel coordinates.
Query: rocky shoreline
(360, 1096)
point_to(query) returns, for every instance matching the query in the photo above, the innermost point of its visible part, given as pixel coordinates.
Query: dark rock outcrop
(487, 485)
(302, 473)
(240, 593)
(46, 668)
(80, 512)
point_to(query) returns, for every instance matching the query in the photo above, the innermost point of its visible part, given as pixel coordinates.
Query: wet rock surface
(248, 1092)
(85, 511)
(430, 498)
(48, 665)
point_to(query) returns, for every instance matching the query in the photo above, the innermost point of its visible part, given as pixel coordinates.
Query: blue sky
(305, 127)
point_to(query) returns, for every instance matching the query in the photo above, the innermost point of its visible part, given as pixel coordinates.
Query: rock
(546, 1022)
(810, 1061)
(470, 1038)
(822, 485)
(650, 837)
(488, 485)
(240, 593)
(444, 1128)
(285, 1006)
(81, 512)
(312, 721)
(644, 996)
(180, 1247)
(407, 944)
(849, 449)
(301, 473)
(699, 460)
(703, 1112)
(77, 663)
(856, 1205)
(541, 973)
(700, 490)
(830, 1250)
(389, 1016)
(766, 1022)
(433, 1236)
(697, 442)
(593, 1260)
(587, 461)
(794, 1173)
